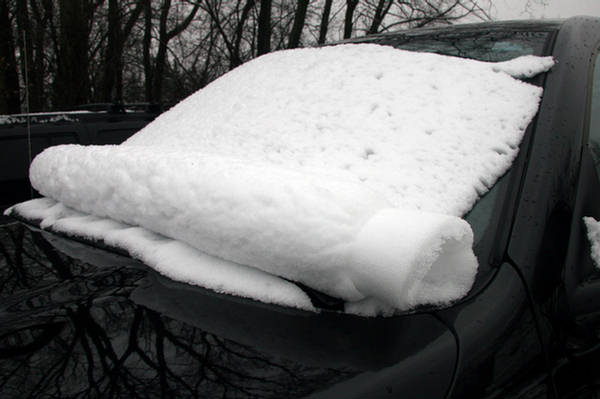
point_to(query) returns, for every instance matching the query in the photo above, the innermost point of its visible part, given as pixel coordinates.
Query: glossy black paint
(74, 329)
(80, 321)
(118, 318)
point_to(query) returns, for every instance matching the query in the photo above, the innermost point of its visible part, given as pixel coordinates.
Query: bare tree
(24, 40)
(235, 58)
(348, 18)
(72, 80)
(159, 50)
(419, 13)
(9, 79)
(383, 6)
(299, 18)
(147, 42)
(154, 92)
(230, 27)
(112, 77)
(42, 14)
(264, 28)
(32, 22)
(324, 25)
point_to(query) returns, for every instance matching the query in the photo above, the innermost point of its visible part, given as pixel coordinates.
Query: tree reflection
(68, 329)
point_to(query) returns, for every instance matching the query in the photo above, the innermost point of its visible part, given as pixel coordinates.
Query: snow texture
(593, 234)
(346, 168)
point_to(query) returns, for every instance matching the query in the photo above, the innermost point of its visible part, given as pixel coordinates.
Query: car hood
(79, 320)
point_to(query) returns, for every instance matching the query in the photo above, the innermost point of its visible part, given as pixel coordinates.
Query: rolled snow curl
(333, 235)
(426, 257)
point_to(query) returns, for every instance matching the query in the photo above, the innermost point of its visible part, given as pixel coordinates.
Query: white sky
(523, 9)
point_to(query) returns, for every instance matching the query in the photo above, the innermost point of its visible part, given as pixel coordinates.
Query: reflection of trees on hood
(68, 329)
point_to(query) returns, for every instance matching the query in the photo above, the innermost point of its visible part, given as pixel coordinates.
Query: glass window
(483, 46)
(594, 127)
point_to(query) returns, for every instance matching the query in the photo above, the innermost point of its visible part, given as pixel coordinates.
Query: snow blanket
(345, 168)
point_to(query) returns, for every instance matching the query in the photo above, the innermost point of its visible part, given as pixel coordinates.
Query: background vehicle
(77, 320)
(26, 135)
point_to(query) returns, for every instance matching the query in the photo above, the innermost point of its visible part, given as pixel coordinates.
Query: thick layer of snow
(426, 131)
(593, 234)
(346, 168)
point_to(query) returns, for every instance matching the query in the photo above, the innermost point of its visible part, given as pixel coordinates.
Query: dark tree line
(56, 54)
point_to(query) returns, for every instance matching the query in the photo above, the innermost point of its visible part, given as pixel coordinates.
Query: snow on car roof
(346, 168)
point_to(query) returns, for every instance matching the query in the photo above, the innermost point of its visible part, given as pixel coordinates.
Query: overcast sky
(517, 9)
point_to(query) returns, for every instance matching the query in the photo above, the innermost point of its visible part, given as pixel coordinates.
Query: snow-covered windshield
(345, 168)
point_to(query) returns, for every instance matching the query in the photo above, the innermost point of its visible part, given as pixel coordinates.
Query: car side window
(594, 115)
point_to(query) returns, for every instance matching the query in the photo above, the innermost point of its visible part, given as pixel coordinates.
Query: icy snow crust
(346, 168)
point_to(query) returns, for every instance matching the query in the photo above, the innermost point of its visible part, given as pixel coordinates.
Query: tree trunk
(324, 22)
(25, 43)
(348, 18)
(161, 54)
(112, 78)
(148, 70)
(37, 97)
(383, 6)
(9, 77)
(263, 45)
(299, 19)
(164, 37)
(235, 58)
(112, 56)
(72, 84)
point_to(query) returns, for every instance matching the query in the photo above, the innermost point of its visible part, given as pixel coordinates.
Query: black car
(81, 320)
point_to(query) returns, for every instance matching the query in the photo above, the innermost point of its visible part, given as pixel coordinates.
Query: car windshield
(492, 47)
(495, 46)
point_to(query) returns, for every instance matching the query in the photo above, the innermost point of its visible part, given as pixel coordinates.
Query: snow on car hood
(345, 168)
